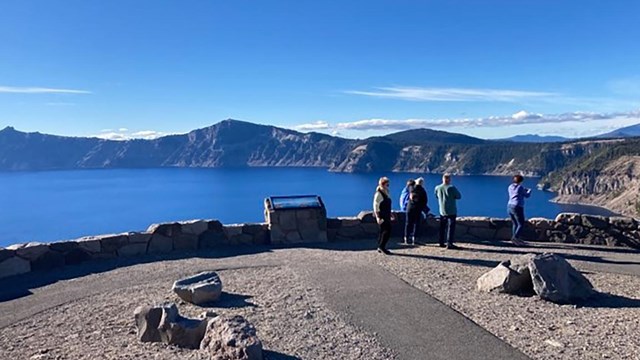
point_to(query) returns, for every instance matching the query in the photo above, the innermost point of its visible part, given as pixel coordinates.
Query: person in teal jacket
(447, 195)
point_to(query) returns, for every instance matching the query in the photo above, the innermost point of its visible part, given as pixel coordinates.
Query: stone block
(541, 223)
(504, 233)
(499, 223)
(64, 246)
(475, 221)
(215, 225)
(76, 256)
(623, 223)
(349, 221)
(578, 231)
(353, 232)
(90, 244)
(287, 220)
(331, 234)
(231, 338)
(569, 218)
(194, 227)
(30, 251)
(311, 234)
(185, 242)
(334, 223)
(134, 249)
(366, 217)
(139, 238)
(211, 238)
(6, 253)
(242, 239)
(293, 237)
(370, 229)
(14, 266)
(166, 229)
(484, 233)
(233, 230)
(160, 244)
(254, 229)
(199, 289)
(47, 261)
(111, 243)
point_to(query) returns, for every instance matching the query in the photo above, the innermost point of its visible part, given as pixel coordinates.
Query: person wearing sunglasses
(383, 214)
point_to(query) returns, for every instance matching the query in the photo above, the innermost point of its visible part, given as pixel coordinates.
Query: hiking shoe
(442, 245)
(413, 241)
(452, 247)
(405, 242)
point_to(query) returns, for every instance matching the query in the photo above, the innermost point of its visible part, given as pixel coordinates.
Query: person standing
(515, 208)
(404, 202)
(417, 204)
(382, 212)
(447, 195)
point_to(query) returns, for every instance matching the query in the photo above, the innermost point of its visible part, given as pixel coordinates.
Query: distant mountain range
(629, 131)
(233, 143)
(531, 138)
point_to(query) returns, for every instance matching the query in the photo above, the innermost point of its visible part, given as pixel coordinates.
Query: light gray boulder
(504, 279)
(232, 339)
(202, 288)
(554, 279)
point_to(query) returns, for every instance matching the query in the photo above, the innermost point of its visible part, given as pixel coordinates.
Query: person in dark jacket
(383, 214)
(416, 206)
(515, 208)
(404, 203)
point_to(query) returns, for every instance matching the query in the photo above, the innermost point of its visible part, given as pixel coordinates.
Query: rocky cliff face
(232, 143)
(616, 186)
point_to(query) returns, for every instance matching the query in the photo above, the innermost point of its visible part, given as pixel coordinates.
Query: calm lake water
(57, 205)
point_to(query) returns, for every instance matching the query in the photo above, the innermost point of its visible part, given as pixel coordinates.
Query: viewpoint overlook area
(335, 298)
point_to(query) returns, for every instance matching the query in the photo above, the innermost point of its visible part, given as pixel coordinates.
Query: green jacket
(447, 196)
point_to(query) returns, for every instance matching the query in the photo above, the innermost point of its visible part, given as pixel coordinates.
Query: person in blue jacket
(404, 204)
(515, 208)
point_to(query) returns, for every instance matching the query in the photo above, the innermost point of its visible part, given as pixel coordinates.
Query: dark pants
(448, 225)
(517, 220)
(385, 233)
(412, 223)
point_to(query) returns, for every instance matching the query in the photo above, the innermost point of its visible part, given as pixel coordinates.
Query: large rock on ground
(554, 279)
(504, 279)
(163, 323)
(202, 288)
(232, 339)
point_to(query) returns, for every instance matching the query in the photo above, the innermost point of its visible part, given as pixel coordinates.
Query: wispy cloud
(518, 118)
(453, 94)
(40, 90)
(124, 134)
(318, 125)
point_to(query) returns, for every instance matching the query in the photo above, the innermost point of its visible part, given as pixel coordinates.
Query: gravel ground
(291, 321)
(605, 328)
(294, 322)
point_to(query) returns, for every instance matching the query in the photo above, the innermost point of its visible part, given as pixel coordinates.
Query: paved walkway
(408, 321)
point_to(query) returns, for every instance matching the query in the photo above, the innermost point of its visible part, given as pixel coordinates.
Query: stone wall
(205, 234)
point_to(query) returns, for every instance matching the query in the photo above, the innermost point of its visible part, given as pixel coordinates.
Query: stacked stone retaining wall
(205, 234)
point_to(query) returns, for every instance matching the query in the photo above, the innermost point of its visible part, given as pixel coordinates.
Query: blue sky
(355, 68)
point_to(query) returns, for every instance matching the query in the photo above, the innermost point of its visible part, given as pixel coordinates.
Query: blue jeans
(411, 224)
(517, 220)
(447, 229)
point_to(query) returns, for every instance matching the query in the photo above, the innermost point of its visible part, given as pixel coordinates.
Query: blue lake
(57, 205)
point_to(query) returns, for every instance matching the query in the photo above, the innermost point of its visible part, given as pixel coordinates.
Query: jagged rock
(232, 339)
(548, 275)
(624, 223)
(595, 221)
(367, 217)
(30, 251)
(180, 331)
(202, 288)
(163, 323)
(554, 279)
(569, 218)
(505, 280)
(194, 227)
